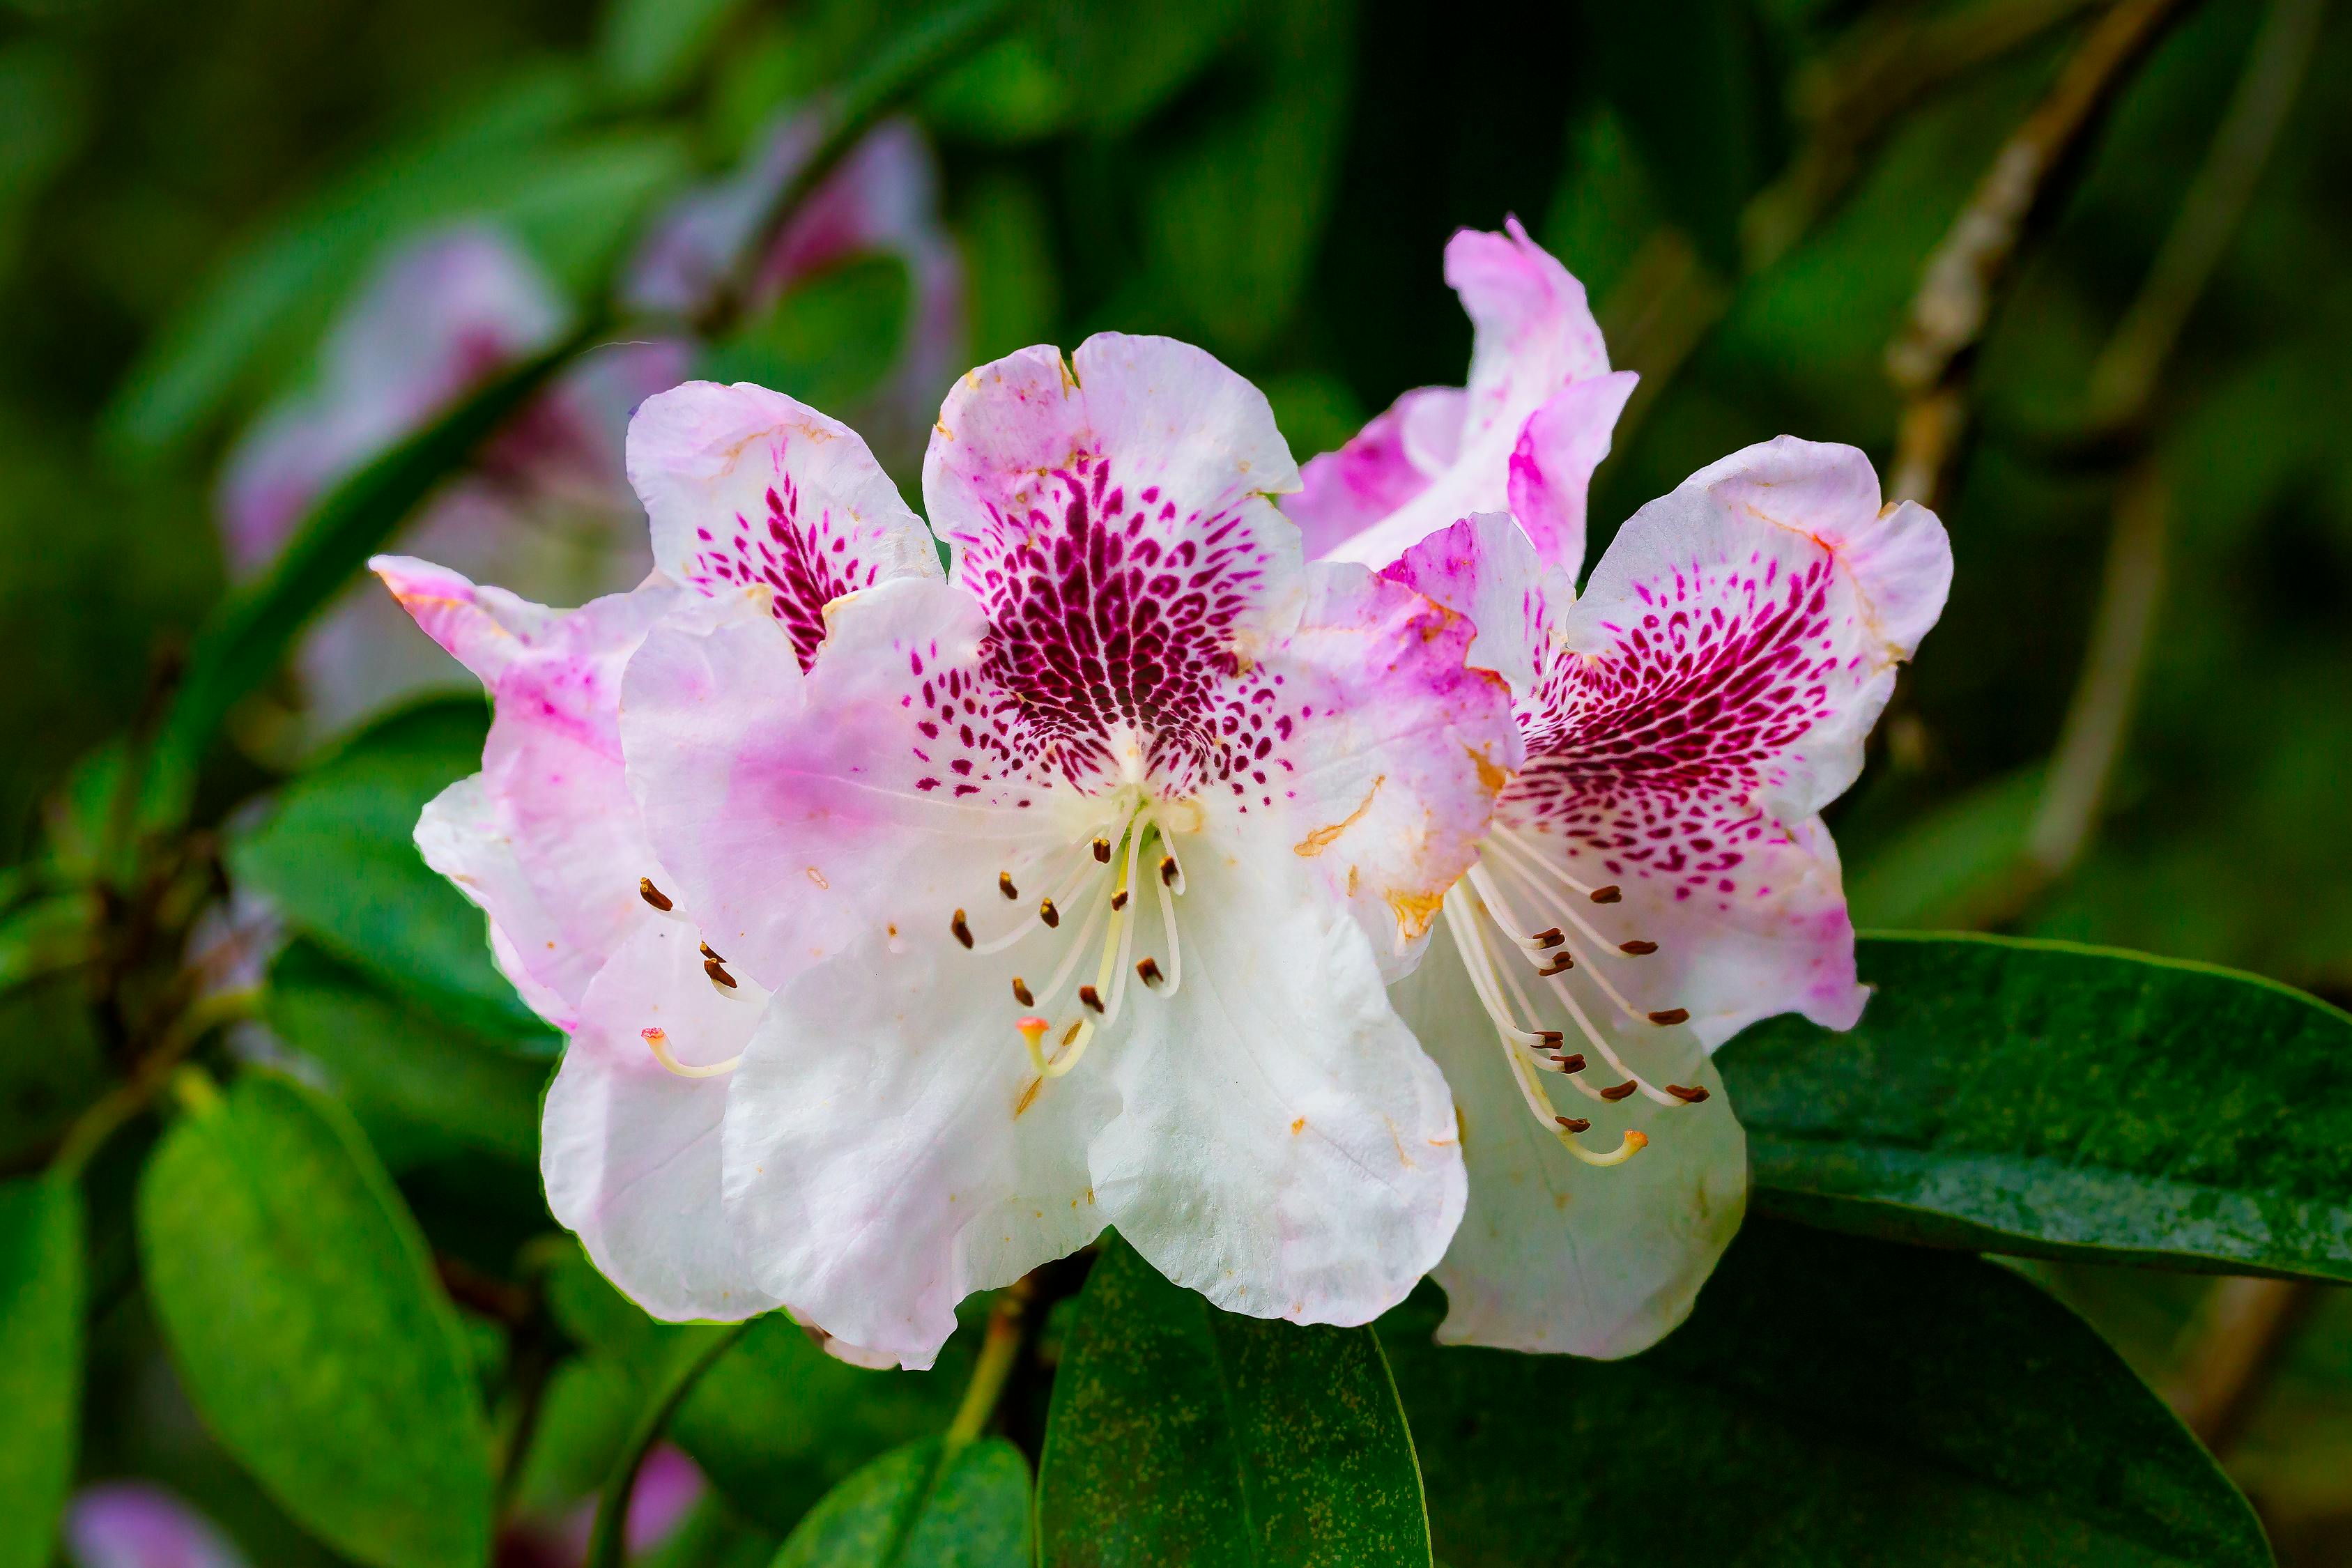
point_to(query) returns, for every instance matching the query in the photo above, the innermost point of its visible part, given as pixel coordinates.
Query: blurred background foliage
(2132, 726)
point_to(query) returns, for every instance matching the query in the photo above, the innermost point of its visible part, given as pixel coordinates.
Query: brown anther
(1102, 850)
(1671, 1015)
(1091, 997)
(1551, 938)
(1559, 965)
(1687, 1096)
(1167, 869)
(711, 955)
(652, 895)
(1020, 993)
(1573, 1123)
(1638, 948)
(1550, 1038)
(1048, 914)
(1573, 1064)
(1608, 895)
(1620, 1092)
(710, 966)
(1004, 885)
(1147, 969)
(1119, 900)
(963, 931)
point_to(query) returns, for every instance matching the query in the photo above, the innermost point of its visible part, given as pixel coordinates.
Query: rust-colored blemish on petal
(1322, 838)
(1297, 1126)
(817, 877)
(1489, 776)
(1028, 1096)
(1413, 911)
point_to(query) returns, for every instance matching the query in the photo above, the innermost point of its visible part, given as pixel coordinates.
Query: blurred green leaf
(301, 1306)
(339, 858)
(48, 933)
(1183, 1435)
(2048, 1099)
(1831, 1402)
(421, 1086)
(647, 49)
(1006, 94)
(1130, 57)
(1687, 80)
(41, 1307)
(248, 633)
(41, 1090)
(1012, 288)
(1953, 866)
(922, 1507)
(828, 341)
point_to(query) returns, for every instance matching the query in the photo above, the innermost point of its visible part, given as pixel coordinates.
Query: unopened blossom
(547, 508)
(137, 1524)
(1523, 436)
(1657, 876)
(882, 199)
(548, 838)
(1077, 875)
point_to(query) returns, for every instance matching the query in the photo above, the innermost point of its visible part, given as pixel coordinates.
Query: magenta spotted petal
(1524, 436)
(1077, 875)
(1657, 876)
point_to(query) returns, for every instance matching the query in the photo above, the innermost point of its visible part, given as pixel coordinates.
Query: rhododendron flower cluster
(911, 926)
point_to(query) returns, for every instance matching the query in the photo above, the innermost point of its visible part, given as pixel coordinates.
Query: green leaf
(340, 858)
(421, 1086)
(829, 341)
(41, 1292)
(1132, 56)
(1006, 94)
(1831, 1401)
(922, 1507)
(2048, 1099)
(249, 635)
(645, 49)
(1955, 865)
(1183, 1435)
(299, 1304)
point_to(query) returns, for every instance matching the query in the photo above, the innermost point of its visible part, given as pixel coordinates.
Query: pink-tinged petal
(135, 1524)
(1485, 569)
(630, 1150)
(888, 1150)
(884, 196)
(691, 252)
(1527, 431)
(798, 811)
(548, 841)
(1551, 466)
(1284, 1146)
(751, 488)
(1366, 749)
(439, 317)
(1706, 697)
(1110, 516)
(1553, 1254)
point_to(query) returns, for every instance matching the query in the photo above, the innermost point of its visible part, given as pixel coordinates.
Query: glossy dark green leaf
(2050, 1099)
(248, 635)
(1831, 1401)
(339, 857)
(1181, 1435)
(301, 1307)
(829, 341)
(40, 1362)
(422, 1088)
(921, 1506)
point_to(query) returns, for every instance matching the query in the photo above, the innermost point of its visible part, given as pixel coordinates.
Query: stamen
(1147, 969)
(1091, 997)
(1559, 965)
(711, 955)
(1102, 850)
(652, 895)
(658, 1042)
(1119, 900)
(1020, 993)
(1573, 1064)
(962, 928)
(1608, 895)
(1637, 949)
(1687, 1096)
(1633, 1143)
(1168, 871)
(1004, 885)
(1620, 1091)
(1547, 939)
(1671, 1016)
(718, 972)
(1490, 892)
(1048, 914)
(1574, 1123)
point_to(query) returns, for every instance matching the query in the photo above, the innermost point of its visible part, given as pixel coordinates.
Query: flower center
(1096, 887)
(1484, 911)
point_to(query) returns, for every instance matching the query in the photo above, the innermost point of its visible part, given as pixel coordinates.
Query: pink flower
(882, 198)
(1523, 436)
(548, 509)
(1657, 876)
(135, 1524)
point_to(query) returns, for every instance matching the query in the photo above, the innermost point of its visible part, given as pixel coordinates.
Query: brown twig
(1929, 359)
(2246, 1328)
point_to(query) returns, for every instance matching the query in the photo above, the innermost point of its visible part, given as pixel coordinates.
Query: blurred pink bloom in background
(668, 1486)
(136, 1524)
